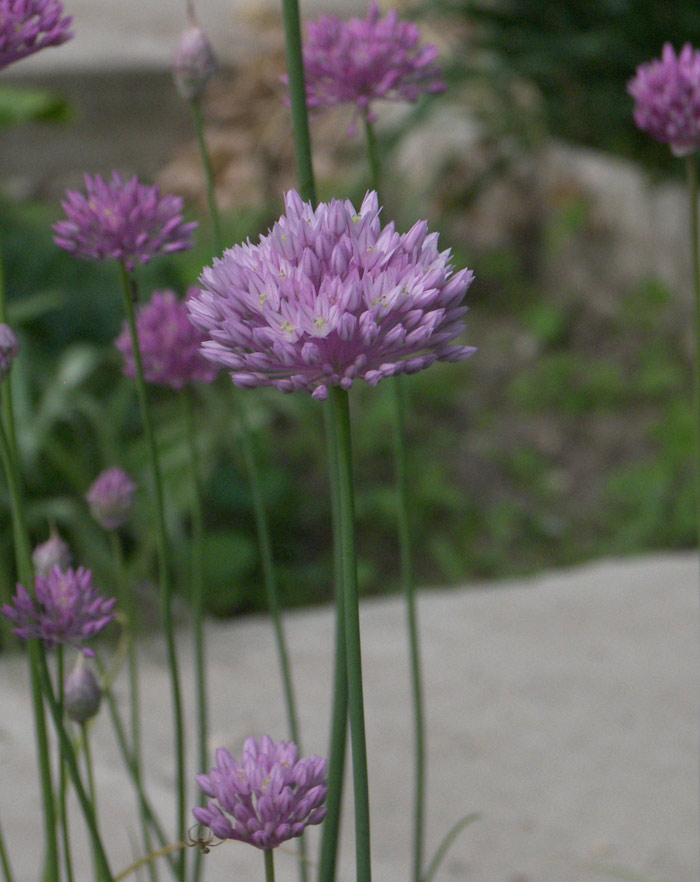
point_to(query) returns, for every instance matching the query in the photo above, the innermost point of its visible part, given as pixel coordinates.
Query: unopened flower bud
(110, 498)
(81, 693)
(52, 553)
(194, 63)
(9, 349)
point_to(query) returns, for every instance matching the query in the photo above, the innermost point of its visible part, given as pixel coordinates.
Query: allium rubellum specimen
(169, 344)
(328, 297)
(269, 795)
(27, 26)
(122, 220)
(364, 59)
(9, 349)
(194, 63)
(66, 609)
(110, 498)
(666, 95)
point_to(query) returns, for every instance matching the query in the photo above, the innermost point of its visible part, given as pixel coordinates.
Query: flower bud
(194, 63)
(9, 349)
(52, 553)
(110, 498)
(81, 693)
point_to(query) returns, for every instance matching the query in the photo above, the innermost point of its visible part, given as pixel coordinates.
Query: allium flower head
(194, 63)
(364, 59)
(52, 553)
(328, 297)
(266, 797)
(9, 349)
(169, 344)
(666, 93)
(122, 220)
(82, 694)
(110, 498)
(26, 26)
(66, 609)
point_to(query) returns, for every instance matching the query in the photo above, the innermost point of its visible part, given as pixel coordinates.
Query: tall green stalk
(692, 172)
(7, 874)
(67, 858)
(397, 391)
(341, 416)
(130, 298)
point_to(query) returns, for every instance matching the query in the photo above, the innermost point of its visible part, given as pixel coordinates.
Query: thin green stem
(330, 834)
(375, 167)
(166, 588)
(91, 782)
(63, 812)
(691, 166)
(205, 157)
(26, 574)
(7, 406)
(341, 414)
(5, 861)
(269, 865)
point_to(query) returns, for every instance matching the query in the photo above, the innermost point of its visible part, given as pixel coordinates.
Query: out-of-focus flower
(328, 297)
(110, 498)
(266, 797)
(81, 693)
(66, 609)
(666, 95)
(169, 344)
(365, 59)
(9, 349)
(52, 553)
(122, 220)
(194, 63)
(27, 26)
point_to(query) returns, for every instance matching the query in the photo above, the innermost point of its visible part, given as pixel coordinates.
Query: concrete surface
(563, 708)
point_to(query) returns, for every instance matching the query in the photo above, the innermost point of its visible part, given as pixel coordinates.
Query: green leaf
(446, 843)
(23, 105)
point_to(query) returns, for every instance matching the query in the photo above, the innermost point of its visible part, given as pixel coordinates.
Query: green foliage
(23, 105)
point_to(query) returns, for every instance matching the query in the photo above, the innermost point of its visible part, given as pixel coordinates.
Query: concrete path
(564, 709)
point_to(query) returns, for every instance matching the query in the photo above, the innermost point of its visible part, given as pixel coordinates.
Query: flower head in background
(365, 59)
(666, 95)
(82, 694)
(169, 342)
(266, 797)
(9, 349)
(27, 26)
(328, 297)
(122, 220)
(194, 63)
(110, 498)
(52, 553)
(66, 609)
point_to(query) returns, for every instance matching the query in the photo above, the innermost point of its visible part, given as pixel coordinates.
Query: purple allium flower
(52, 553)
(364, 59)
(122, 220)
(9, 349)
(269, 795)
(329, 297)
(194, 63)
(110, 498)
(67, 609)
(81, 693)
(26, 26)
(666, 93)
(169, 344)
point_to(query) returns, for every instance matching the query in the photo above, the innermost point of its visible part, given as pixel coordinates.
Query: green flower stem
(201, 700)
(208, 175)
(25, 570)
(269, 865)
(339, 714)
(691, 167)
(128, 607)
(7, 407)
(397, 391)
(7, 874)
(166, 588)
(297, 94)
(68, 754)
(341, 415)
(63, 812)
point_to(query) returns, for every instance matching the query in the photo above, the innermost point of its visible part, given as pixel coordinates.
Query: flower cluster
(66, 610)
(169, 344)
(194, 63)
(27, 26)
(270, 794)
(328, 297)
(52, 553)
(666, 93)
(364, 59)
(122, 220)
(110, 498)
